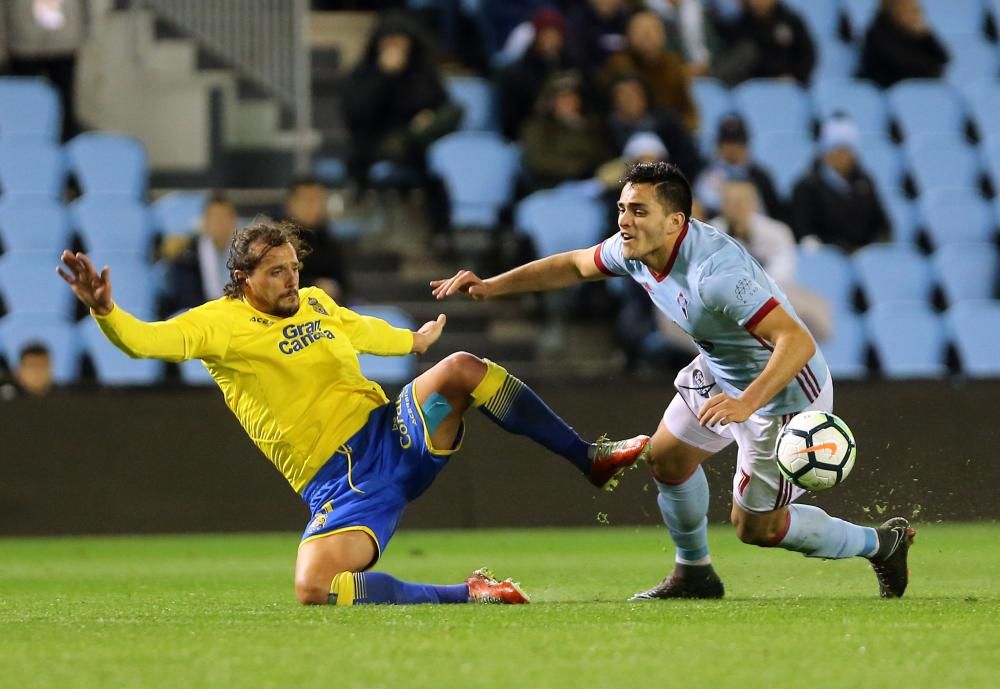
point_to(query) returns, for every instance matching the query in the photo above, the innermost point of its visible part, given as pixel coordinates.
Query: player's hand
(91, 288)
(724, 409)
(428, 334)
(464, 281)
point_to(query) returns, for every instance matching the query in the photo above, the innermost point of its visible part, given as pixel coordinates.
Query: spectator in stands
(767, 40)
(900, 45)
(395, 102)
(521, 83)
(661, 70)
(199, 272)
(33, 375)
(685, 19)
(836, 202)
(43, 40)
(732, 163)
(307, 206)
(595, 30)
(631, 113)
(772, 243)
(562, 141)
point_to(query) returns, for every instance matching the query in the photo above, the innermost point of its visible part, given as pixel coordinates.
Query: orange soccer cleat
(613, 457)
(483, 588)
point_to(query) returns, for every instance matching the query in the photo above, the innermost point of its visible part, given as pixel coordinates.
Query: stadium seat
(860, 99)
(967, 270)
(957, 215)
(975, 329)
(983, 99)
(714, 102)
(478, 102)
(892, 272)
(902, 216)
(56, 333)
(942, 161)
(926, 106)
(479, 170)
(33, 224)
(111, 223)
(557, 222)
(909, 339)
(786, 155)
(991, 154)
(882, 160)
(36, 168)
(389, 370)
(971, 60)
(114, 367)
(332, 170)
(109, 164)
(846, 350)
(29, 284)
(860, 14)
(827, 270)
(29, 109)
(179, 212)
(133, 281)
(835, 59)
(772, 105)
(963, 17)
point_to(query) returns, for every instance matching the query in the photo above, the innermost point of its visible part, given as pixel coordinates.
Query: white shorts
(758, 485)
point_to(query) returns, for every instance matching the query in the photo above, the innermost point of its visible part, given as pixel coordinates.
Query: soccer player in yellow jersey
(286, 361)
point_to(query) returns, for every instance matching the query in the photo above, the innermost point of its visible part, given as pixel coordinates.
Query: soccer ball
(816, 450)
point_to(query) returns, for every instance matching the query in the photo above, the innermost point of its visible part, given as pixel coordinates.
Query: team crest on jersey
(701, 386)
(318, 522)
(746, 289)
(317, 307)
(683, 303)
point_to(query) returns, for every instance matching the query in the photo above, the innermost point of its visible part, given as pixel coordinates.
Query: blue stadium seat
(56, 333)
(860, 14)
(822, 18)
(389, 370)
(902, 216)
(926, 106)
(827, 270)
(983, 99)
(786, 155)
(846, 349)
(971, 60)
(109, 164)
(133, 281)
(332, 170)
(991, 154)
(860, 99)
(29, 109)
(892, 272)
(714, 102)
(114, 367)
(835, 59)
(942, 161)
(882, 160)
(909, 339)
(558, 222)
(478, 102)
(29, 284)
(975, 329)
(479, 170)
(772, 105)
(113, 223)
(957, 215)
(36, 168)
(964, 17)
(966, 270)
(33, 224)
(179, 212)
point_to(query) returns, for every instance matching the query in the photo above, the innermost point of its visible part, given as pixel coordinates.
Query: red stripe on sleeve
(767, 308)
(600, 263)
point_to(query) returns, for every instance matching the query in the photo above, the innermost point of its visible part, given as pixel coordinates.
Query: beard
(283, 311)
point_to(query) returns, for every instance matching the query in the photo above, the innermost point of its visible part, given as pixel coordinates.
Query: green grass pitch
(219, 611)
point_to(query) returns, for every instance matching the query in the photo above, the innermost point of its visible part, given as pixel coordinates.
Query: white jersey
(717, 293)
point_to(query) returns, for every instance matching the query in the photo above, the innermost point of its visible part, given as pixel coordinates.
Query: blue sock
(813, 532)
(516, 408)
(685, 512)
(371, 588)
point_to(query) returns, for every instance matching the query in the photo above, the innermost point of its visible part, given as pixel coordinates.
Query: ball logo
(683, 303)
(746, 289)
(301, 335)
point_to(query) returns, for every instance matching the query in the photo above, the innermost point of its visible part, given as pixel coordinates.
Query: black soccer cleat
(894, 540)
(686, 581)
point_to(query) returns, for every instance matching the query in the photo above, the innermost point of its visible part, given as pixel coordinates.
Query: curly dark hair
(672, 187)
(242, 257)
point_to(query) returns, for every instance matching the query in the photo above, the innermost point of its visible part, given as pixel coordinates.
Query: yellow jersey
(294, 383)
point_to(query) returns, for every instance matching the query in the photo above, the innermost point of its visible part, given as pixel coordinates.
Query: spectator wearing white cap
(836, 202)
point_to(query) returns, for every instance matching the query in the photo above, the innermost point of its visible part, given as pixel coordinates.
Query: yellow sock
(342, 589)
(490, 385)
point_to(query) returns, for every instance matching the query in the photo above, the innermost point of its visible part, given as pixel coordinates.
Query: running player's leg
(463, 381)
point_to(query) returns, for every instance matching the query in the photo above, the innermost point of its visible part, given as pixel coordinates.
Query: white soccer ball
(816, 450)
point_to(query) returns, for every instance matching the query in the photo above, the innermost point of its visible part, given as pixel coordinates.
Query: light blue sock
(814, 533)
(685, 508)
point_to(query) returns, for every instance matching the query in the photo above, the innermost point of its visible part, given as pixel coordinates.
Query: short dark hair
(304, 181)
(241, 256)
(672, 187)
(34, 348)
(217, 196)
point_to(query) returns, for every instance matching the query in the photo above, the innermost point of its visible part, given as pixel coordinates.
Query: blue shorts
(367, 483)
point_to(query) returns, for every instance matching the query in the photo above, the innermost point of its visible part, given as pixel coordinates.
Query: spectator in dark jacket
(900, 45)
(836, 202)
(767, 40)
(307, 206)
(595, 32)
(200, 272)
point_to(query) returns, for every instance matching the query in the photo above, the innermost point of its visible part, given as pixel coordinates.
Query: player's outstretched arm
(89, 286)
(428, 334)
(552, 272)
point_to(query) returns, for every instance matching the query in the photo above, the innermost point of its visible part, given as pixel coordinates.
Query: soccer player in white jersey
(757, 366)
